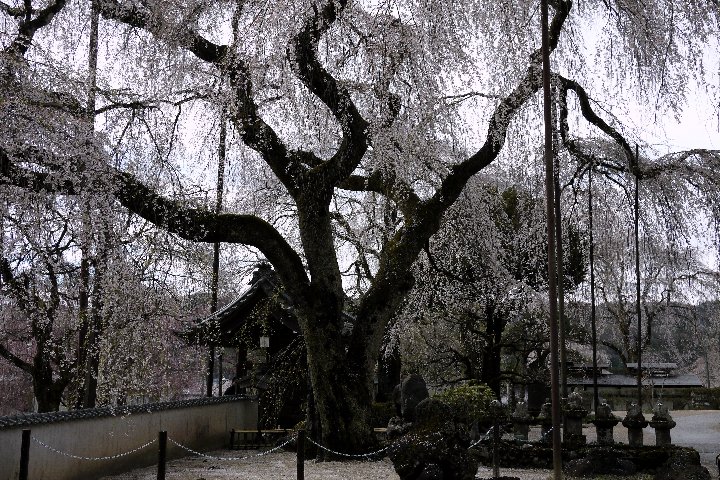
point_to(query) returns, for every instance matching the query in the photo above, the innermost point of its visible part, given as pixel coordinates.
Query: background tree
(479, 288)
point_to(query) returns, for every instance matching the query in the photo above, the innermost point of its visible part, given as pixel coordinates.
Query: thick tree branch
(668, 164)
(205, 226)
(28, 27)
(287, 166)
(393, 280)
(186, 222)
(15, 360)
(142, 16)
(15, 12)
(302, 54)
(503, 114)
(594, 119)
(385, 183)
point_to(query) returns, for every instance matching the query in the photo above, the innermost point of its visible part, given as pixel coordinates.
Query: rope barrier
(211, 457)
(80, 457)
(349, 455)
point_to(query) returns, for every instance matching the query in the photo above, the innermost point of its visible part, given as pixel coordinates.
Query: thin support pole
(25, 455)
(214, 281)
(638, 310)
(561, 288)
(552, 267)
(162, 454)
(301, 455)
(593, 325)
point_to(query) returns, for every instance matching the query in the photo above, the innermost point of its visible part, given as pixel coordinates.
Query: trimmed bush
(469, 402)
(711, 396)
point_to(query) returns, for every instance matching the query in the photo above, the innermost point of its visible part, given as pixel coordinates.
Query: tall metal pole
(222, 153)
(593, 326)
(638, 310)
(561, 282)
(552, 268)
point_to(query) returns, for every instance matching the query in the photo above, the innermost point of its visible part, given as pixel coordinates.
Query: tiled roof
(623, 380)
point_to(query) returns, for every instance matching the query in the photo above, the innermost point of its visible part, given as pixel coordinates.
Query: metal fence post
(24, 455)
(496, 411)
(162, 454)
(301, 455)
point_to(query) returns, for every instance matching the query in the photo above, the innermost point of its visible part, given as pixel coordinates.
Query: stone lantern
(662, 422)
(575, 412)
(635, 421)
(604, 422)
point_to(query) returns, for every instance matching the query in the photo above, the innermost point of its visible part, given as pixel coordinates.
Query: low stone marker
(545, 419)
(413, 390)
(521, 420)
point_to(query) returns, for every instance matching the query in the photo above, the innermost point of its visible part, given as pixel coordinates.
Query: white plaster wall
(200, 428)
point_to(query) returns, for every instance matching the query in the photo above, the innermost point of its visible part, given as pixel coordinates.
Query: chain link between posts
(349, 455)
(211, 457)
(80, 457)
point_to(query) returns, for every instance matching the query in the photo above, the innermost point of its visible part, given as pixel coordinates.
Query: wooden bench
(255, 439)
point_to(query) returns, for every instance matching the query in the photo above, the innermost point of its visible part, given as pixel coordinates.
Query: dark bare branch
(29, 26)
(302, 54)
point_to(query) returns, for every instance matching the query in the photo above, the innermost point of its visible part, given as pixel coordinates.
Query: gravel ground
(282, 465)
(698, 429)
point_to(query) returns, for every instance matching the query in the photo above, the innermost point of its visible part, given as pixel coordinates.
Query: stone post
(575, 412)
(635, 421)
(662, 422)
(521, 420)
(604, 423)
(545, 419)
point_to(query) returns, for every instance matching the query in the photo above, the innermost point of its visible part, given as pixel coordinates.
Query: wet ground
(699, 429)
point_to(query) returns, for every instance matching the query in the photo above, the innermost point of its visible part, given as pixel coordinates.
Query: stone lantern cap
(604, 417)
(574, 406)
(661, 418)
(634, 417)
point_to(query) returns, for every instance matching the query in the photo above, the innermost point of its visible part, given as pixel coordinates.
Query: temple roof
(265, 294)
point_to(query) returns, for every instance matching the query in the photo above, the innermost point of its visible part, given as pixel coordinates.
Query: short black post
(301, 455)
(162, 454)
(24, 455)
(496, 411)
(496, 447)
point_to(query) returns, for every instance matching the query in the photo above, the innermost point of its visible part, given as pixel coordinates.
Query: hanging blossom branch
(677, 162)
(243, 110)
